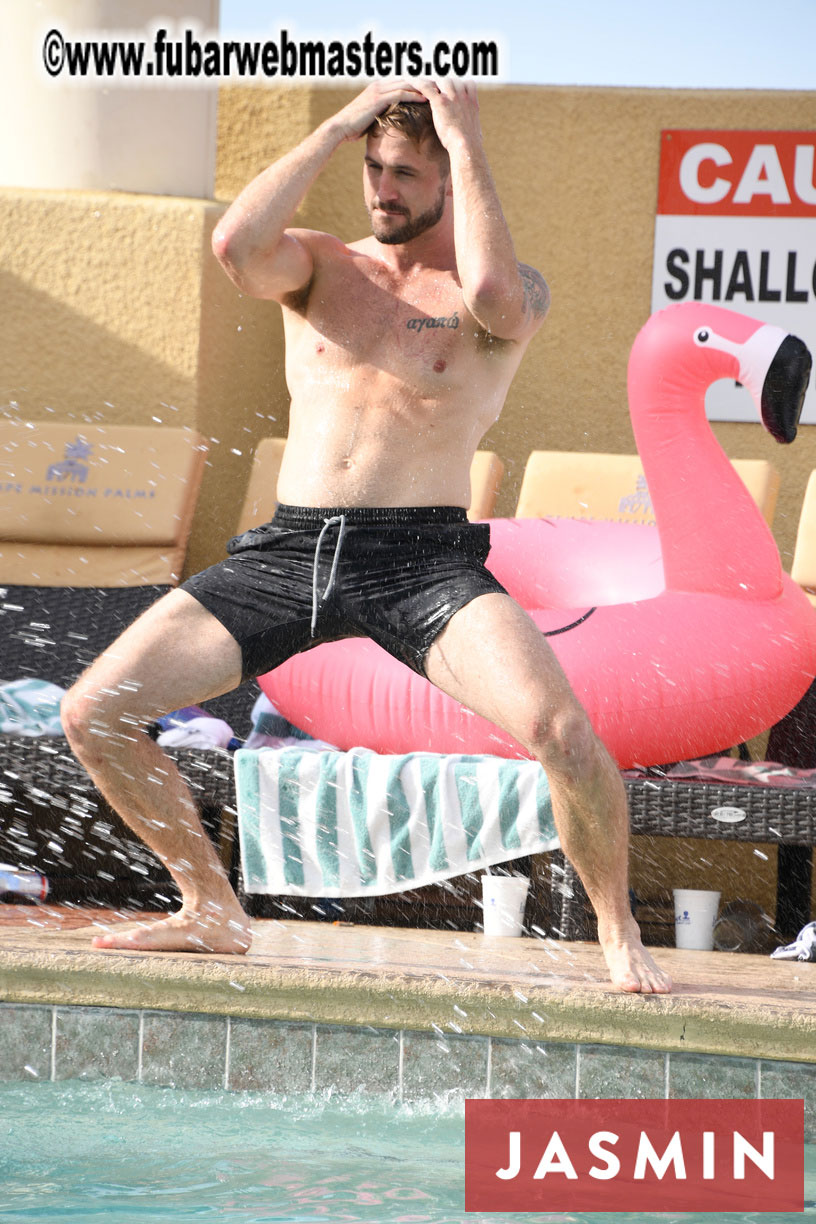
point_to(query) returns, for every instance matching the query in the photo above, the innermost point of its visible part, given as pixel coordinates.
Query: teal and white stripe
(30, 707)
(349, 824)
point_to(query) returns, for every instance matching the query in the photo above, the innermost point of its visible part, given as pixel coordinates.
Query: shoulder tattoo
(536, 293)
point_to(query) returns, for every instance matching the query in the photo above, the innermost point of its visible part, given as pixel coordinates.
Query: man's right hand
(355, 118)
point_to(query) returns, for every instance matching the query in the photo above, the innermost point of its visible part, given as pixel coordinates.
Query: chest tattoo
(451, 321)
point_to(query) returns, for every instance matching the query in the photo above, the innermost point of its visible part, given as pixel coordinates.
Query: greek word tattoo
(536, 293)
(418, 324)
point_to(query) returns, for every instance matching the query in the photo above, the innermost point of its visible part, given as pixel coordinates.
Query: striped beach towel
(350, 824)
(30, 707)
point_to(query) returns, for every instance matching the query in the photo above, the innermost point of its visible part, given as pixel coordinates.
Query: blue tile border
(179, 1049)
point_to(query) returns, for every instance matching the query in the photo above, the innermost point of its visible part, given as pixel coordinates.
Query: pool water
(122, 1153)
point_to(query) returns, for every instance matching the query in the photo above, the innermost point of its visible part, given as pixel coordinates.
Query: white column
(102, 134)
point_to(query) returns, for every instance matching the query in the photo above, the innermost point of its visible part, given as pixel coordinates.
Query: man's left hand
(455, 110)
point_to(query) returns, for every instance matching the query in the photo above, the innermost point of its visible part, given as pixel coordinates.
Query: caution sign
(736, 225)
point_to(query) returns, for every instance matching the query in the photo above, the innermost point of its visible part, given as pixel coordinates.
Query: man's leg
(175, 654)
(493, 659)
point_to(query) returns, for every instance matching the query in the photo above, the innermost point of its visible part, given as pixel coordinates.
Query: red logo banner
(651, 1155)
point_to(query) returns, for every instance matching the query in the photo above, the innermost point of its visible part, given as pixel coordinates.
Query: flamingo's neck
(712, 534)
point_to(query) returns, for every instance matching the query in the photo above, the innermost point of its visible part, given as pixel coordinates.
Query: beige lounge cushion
(90, 505)
(577, 484)
(486, 473)
(803, 569)
(261, 498)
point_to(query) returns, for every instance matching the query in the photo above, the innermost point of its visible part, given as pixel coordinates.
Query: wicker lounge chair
(775, 815)
(793, 740)
(93, 529)
(69, 584)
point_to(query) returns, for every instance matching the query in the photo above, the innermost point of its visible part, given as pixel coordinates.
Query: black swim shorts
(314, 575)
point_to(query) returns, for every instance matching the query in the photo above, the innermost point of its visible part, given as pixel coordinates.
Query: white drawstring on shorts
(327, 523)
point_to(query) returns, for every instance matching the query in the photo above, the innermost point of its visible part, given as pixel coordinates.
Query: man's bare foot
(630, 966)
(209, 930)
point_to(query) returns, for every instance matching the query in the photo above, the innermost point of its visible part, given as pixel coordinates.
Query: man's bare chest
(421, 325)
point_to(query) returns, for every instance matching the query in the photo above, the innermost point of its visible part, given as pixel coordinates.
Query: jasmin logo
(671, 1162)
(652, 1155)
(72, 466)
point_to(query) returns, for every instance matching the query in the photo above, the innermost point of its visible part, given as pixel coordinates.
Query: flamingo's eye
(702, 335)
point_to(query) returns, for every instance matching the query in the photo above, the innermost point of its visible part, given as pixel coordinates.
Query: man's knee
(562, 739)
(78, 712)
(90, 714)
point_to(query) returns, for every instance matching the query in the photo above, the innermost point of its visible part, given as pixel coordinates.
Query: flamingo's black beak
(783, 392)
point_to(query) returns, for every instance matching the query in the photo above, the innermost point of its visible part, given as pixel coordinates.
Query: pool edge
(402, 998)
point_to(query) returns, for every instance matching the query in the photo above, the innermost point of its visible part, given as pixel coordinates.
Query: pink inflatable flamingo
(679, 640)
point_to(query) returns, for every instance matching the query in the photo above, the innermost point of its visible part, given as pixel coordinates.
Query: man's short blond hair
(414, 120)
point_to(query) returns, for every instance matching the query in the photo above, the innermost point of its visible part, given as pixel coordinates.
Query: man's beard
(412, 227)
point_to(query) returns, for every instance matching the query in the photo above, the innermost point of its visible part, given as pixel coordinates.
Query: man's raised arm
(509, 299)
(251, 240)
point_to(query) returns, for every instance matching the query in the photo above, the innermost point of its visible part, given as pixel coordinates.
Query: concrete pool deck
(397, 978)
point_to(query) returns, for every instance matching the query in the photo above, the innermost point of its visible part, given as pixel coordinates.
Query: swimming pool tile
(529, 1069)
(96, 1043)
(620, 1071)
(434, 1064)
(25, 1041)
(183, 1050)
(792, 1081)
(707, 1075)
(270, 1056)
(356, 1059)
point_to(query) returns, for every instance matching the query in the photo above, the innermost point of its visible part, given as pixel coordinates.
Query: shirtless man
(400, 351)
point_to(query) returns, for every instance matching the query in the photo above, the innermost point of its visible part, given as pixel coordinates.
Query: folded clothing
(30, 707)
(731, 771)
(803, 947)
(192, 727)
(348, 824)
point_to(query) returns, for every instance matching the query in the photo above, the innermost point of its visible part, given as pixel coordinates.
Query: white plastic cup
(503, 901)
(695, 912)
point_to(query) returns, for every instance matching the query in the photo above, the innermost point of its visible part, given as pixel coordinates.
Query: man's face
(403, 187)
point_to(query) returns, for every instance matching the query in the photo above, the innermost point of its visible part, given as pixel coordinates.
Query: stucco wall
(88, 280)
